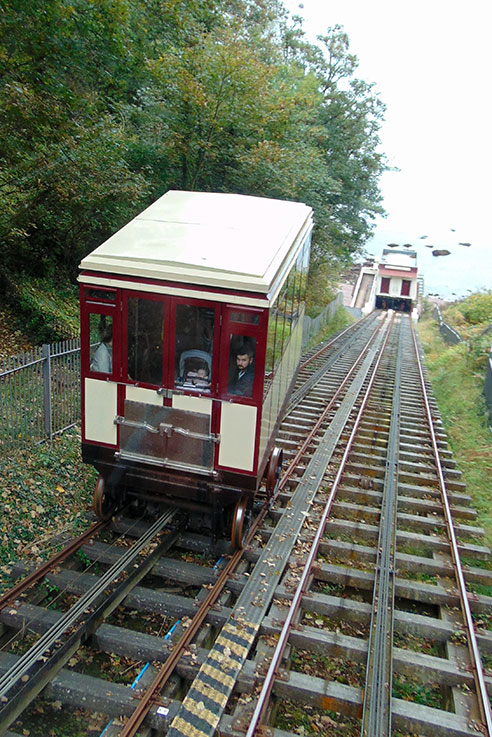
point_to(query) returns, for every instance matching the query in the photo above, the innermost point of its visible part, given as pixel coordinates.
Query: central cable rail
(376, 712)
(264, 697)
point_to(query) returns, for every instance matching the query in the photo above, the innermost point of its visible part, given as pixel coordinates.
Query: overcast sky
(430, 62)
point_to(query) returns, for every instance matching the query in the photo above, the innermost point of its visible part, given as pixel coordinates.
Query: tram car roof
(227, 241)
(400, 256)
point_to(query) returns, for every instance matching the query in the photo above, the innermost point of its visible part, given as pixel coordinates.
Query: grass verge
(340, 320)
(458, 388)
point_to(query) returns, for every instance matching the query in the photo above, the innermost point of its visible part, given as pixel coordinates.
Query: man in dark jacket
(242, 383)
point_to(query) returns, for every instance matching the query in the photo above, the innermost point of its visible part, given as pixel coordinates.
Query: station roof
(399, 258)
(221, 240)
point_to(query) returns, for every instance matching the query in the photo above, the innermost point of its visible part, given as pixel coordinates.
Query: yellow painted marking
(210, 692)
(246, 630)
(217, 674)
(198, 709)
(186, 728)
(231, 657)
(239, 650)
(225, 663)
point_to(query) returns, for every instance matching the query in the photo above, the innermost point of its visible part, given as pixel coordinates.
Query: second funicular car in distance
(191, 324)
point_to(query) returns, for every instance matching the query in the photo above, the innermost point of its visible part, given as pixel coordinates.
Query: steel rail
(36, 652)
(264, 696)
(318, 353)
(152, 695)
(47, 566)
(307, 441)
(376, 708)
(476, 661)
(299, 394)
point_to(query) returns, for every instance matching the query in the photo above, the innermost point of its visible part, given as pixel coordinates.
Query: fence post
(48, 425)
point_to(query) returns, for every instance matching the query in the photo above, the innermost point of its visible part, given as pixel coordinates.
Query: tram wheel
(274, 471)
(104, 504)
(239, 524)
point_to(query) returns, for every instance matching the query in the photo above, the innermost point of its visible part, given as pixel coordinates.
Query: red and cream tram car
(191, 324)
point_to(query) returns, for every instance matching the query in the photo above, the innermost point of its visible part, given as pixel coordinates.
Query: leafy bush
(321, 288)
(474, 310)
(46, 311)
(478, 308)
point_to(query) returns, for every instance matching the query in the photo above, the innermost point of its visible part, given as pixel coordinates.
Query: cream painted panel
(193, 404)
(146, 396)
(100, 411)
(237, 436)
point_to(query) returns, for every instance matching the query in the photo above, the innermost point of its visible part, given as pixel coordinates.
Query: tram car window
(191, 322)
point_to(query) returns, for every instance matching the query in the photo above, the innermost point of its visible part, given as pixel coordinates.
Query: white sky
(430, 62)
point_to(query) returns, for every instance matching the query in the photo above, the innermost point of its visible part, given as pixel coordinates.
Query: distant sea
(467, 269)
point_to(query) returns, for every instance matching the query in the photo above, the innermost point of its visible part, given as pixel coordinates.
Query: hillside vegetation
(106, 105)
(472, 318)
(457, 373)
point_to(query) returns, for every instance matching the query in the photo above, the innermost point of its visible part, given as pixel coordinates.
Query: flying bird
(392, 245)
(464, 244)
(428, 245)
(453, 230)
(440, 252)
(423, 236)
(407, 245)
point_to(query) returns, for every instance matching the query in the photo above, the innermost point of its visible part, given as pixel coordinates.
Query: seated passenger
(243, 379)
(102, 361)
(194, 368)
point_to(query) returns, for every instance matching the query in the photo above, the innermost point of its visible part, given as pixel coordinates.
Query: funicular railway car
(191, 324)
(396, 280)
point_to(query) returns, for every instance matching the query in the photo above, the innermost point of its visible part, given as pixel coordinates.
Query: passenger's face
(243, 361)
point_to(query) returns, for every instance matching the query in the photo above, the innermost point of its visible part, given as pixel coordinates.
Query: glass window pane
(100, 295)
(242, 353)
(145, 340)
(279, 335)
(294, 290)
(270, 349)
(305, 268)
(284, 319)
(194, 344)
(251, 318)
(101, 343)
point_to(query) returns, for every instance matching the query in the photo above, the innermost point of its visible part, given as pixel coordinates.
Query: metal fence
(39, 393)
(449, 334)
(312, 326)
(487, 390)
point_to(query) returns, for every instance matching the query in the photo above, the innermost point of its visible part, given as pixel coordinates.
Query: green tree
(105, 105)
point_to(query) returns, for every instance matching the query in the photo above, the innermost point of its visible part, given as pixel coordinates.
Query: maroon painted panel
(385, 285)
(405, 287)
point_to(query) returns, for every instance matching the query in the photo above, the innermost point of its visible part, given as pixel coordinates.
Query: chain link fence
(39, 393)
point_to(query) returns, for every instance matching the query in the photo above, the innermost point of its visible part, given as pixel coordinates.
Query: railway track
(346, 613)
